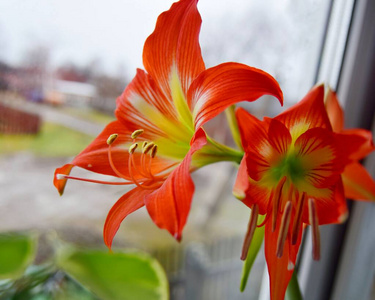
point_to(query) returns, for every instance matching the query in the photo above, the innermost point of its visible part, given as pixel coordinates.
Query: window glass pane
(88, 52)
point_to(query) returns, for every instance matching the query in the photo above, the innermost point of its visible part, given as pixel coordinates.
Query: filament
(314, 222)
(62, 176)
(276, 201)
(283, 229)
(298, 218)
(250, 231)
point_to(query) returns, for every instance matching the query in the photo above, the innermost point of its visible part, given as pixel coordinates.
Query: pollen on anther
(154, 150)
(132, 148)
(137, 133)
(112, 138)
(148, 147)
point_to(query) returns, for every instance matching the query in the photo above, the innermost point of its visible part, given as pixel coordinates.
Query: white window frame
(346, 270)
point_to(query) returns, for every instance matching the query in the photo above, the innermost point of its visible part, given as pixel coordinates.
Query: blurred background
(62, 65)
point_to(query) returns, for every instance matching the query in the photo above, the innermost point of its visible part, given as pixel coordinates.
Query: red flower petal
(308, 113)
(363, 145)
(331, 208)
(358, 184)
(219, 87)
(254, 136)
(143, 106)
(242, 181)
(281, 269)
(355, 143)
(320, 156)
(258, 194)
(124, 206)
(248, 191)
(334, 110)
(95, 156)
(60, 183)
(175, 44)
(279, 136)
(169, 205)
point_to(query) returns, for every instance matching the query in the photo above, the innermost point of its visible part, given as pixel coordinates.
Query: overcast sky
(282, 37)
(78, 31)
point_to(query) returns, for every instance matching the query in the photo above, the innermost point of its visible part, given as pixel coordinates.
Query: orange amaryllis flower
(358, 184)
(292, 173)
(159, 120)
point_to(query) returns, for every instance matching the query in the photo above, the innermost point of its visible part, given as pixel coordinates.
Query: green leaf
(255, 245)
(293, 291)
(17, 252)
(114, 276)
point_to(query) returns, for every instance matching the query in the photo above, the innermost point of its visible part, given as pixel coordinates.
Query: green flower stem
(293, 291)
(227, 151)
(233, 125)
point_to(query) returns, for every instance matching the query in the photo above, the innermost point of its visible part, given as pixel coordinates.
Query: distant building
(73, 93)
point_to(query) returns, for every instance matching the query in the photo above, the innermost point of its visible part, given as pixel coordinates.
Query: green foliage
(116, 275)
(129, 275)
(17, 251)
(53, 140)
(293, 291)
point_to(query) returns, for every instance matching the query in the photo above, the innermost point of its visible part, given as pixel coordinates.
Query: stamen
(276, 201)
(132, 148)
(117, 172)
(148, 147)
(314, 222)
(112, 138)
(144, 185)
(250, 231)
(63, 176)
(298, 218)
(154, 150)
(144, 145)
(283, 229)
(137, 133)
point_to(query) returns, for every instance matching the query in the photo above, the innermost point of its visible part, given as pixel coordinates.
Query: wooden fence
(13, 121)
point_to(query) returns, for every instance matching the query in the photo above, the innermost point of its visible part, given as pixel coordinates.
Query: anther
(144, 144)
(283, 229)
(276, 201)
(298, 219)
(132, 148)
(250, 231)
(112, 138)
(314, 222)
(136, 133)
(148, 147)
(154, 150)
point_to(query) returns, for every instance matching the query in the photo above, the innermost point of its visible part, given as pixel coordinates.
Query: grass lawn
(88, 114)
(53, 141)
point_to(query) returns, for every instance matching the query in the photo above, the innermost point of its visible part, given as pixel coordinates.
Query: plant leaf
(17, 252)
(114, 276)
(293, 291)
